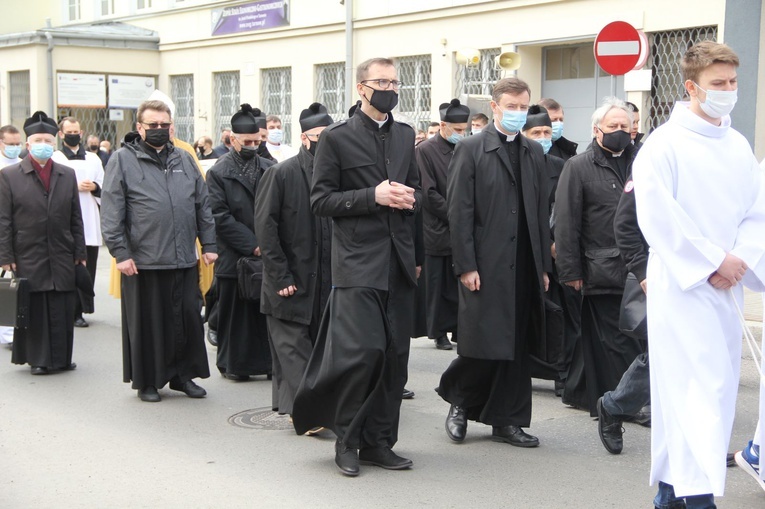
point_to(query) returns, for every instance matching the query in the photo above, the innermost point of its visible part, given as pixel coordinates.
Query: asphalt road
(83, 439)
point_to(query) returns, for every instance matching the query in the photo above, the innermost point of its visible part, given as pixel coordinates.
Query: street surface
(83, 439)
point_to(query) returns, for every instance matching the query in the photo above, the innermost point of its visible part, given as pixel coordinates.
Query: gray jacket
(152, 212)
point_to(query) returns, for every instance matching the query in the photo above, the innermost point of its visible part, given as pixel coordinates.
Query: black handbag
(14, 301)
(249, 275)
(632, 315)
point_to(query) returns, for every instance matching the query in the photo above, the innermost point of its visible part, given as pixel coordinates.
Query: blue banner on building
(250, 16)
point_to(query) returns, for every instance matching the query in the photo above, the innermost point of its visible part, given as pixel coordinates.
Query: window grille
(226, 97)
(277, 97)
(95, 121)
(666, 53)
(18, 82)
(479, 80)
(414, 95)
(182, 94)
(330, 89)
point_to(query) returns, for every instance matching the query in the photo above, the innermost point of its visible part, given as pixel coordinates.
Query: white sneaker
(749, 461)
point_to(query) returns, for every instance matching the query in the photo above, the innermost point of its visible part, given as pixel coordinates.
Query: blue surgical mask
(12, 151)
(41, 151)
(557, 130)
(275, 136)
(546, 144)
(454, 138)
(476, 131)
(513, 120)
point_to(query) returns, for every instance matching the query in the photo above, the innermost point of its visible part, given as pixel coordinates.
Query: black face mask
(93, 148)
(248, 153)
(227, 140)
(616, 141)
(157, 137)
(312, 147)
(384, 100)
(72, 140)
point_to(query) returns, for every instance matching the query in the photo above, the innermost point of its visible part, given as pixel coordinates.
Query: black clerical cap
(454, 112)
(537, 116)
(315, 116)
(354, 108)
(39, 123)
(246, 121)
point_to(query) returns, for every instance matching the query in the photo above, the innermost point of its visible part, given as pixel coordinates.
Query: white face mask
(275, 136)
(718, 103)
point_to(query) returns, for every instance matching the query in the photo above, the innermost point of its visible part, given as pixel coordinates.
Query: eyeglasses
(313, 136)
(248, 143)
(385, 84)
(156, 125)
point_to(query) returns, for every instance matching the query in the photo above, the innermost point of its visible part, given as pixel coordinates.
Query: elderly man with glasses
(154, 205)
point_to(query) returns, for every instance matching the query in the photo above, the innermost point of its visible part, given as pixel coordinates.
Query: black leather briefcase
(14, 301)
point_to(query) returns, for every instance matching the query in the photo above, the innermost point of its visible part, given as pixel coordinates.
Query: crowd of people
(489, 232)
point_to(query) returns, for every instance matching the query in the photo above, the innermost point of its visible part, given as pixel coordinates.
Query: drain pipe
(51, 105)
(350, 78)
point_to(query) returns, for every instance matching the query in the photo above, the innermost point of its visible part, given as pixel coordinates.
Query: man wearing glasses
(153, 205)
(365, 177)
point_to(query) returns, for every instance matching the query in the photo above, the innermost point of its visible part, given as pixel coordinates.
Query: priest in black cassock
(243, 348)
(365, 178)
(497, 201)
(441, 285)
(295, 246)
(154, 204)
(42, 239)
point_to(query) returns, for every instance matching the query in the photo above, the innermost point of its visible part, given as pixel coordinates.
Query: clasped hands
(729, 273)
(394, 195)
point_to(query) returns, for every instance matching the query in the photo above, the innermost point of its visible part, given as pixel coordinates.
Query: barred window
(226, 96)
(330, 88)
(18, 82)
(414, 94)
(479, 80)
(666, 53)
(182, 94)
(277, 97)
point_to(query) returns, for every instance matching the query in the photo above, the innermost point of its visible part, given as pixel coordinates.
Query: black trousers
(291, 346)
(84, 304)
(442, 294)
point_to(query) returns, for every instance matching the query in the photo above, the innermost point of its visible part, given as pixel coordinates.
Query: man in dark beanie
(295, 245)
(42, 239)
(441, 285)
(243, 349)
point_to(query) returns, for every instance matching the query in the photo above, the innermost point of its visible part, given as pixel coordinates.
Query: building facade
(281, 55)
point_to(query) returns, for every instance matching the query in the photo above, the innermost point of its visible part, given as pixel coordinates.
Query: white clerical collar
(381, 123)
(510, 137)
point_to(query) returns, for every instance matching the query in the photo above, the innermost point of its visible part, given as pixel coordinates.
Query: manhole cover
(261, 418)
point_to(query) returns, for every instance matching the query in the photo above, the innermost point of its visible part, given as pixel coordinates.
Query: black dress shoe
(443, 343)
(39, 370)
(346, 459)
(80, 322)
(191, 389)
(456, 423)
(609, 429)
(149, 394)
(212, 337)
(559, 386)
(730, 459)
(70, 367)
(383, 457)
(407, 394)
(237, 378)
(513, 435)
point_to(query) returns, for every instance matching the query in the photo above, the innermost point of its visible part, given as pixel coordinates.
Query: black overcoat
(41, 231)
(482, 200)
(232, 200)
(433, 158)
(287, 232)
(352, 158)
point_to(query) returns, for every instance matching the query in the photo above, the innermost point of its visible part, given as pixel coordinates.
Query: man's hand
(719, 282)
(471, 280)
(87, 185)
(209, 258)
(9, 267)
(575, 284)
(288, 292)
(127, 267)
(732, 268)
(81, 262)
(644, 286)
(546, 280)
(256, 251)
(394, 195)
(553, 252)
(418, 271)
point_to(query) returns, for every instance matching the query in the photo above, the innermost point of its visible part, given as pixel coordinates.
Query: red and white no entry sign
(617, 48)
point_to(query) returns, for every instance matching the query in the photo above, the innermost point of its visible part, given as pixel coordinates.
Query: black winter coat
(629, 239)
(482, 198)
(563, 148)
(232, 200)
(41, 231)
(433, 158)
(585, 206)
(352, 158)
(287, 232)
